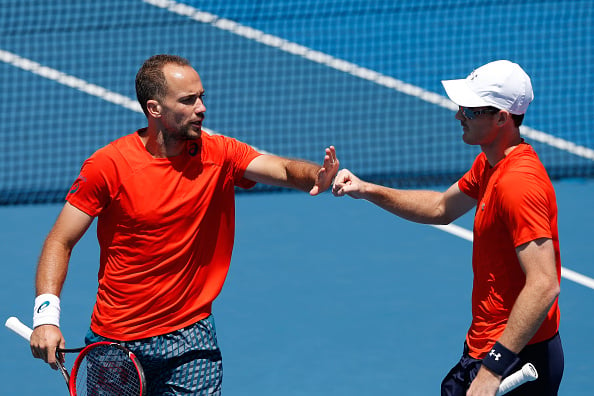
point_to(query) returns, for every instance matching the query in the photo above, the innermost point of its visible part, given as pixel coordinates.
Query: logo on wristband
(500, 360)
(43, 306)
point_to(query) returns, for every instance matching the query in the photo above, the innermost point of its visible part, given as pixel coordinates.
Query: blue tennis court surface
(325, 296)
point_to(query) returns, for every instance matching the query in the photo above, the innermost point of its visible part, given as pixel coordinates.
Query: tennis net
(290, 77)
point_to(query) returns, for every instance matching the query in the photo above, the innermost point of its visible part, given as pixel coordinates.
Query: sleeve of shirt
(240, 155)
(91, 191)
(524, 207)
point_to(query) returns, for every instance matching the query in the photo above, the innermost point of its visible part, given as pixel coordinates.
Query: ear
(503, 117)
(154, 108)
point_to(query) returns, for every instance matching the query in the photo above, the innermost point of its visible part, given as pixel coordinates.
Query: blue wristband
(500, 360)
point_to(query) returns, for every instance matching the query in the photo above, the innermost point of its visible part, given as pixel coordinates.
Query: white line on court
(565, 272)
(69, 81)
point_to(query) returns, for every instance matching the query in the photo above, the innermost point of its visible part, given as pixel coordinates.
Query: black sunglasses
(472, 114)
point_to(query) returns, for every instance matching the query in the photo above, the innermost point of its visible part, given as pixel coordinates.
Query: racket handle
(526, 373)
(19, 327)
(25, 331)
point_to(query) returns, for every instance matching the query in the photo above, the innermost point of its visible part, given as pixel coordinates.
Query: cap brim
(460, 93)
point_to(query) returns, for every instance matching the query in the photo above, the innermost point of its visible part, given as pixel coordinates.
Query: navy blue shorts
(184, 362)
(547, 358)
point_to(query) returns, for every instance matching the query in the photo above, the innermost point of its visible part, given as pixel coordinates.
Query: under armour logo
(494, 354)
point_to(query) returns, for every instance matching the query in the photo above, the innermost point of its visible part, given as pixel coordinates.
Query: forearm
(300, 175)
(421, 206)
(294, 173)
(52, 267)
(283, 172)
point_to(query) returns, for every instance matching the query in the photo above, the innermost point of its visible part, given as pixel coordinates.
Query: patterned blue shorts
(184, 362)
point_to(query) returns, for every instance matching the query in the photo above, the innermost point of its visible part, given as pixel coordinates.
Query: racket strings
(107, 370)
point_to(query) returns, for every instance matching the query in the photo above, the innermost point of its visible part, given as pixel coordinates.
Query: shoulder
(524, 158)
(227, 146)
(523, 167)
(220, 141)
(474, 175)
(524, 179)
(120, 149)
(114, 160)
(480, 162)
(125, 145)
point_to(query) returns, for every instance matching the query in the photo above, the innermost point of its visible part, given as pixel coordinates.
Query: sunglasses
(472, 114)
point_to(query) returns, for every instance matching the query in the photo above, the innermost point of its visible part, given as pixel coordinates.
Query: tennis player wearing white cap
(516, 260)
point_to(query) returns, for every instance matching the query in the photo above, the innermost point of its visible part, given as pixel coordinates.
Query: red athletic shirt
(516, 204)
(165, 228)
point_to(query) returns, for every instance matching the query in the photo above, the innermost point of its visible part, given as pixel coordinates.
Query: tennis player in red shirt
(165, 203)
(516, 260)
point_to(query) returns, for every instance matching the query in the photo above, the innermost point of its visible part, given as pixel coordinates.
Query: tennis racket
(102, 368)
(526, 373)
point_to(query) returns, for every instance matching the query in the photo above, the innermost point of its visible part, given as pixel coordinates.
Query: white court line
(565, 272)
(69, 81)
(577, 277)
(350, 68)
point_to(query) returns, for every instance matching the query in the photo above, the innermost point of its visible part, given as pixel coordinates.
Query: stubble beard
(186, 133)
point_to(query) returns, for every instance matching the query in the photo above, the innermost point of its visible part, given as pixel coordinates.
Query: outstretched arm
(421, 206)
(297, 174)
(51, 274)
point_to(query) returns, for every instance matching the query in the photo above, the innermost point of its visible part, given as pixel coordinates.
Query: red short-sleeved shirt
(515, 204)
(165, 228)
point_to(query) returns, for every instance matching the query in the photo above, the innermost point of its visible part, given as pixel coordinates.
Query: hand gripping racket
(102, 368)
(526, 373)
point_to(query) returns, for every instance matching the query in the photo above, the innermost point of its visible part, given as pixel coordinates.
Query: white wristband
(47, 310)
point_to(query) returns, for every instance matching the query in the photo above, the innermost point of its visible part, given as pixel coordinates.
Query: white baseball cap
(501, 84)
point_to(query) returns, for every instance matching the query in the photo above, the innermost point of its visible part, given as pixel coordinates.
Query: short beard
(181, 135)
